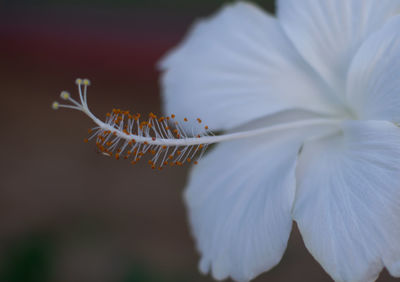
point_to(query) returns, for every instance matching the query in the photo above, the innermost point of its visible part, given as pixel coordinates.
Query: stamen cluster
(121, 140)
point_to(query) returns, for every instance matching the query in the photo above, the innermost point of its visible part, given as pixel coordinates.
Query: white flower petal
(329, 32)
(238, 66)
(347, 202)
(373, 87)
(240, 198)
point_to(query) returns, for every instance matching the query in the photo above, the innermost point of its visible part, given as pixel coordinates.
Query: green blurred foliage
(27, 260)
(139, 272)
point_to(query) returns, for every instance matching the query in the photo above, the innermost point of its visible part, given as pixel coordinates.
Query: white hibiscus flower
(309, 103)
(326, 58)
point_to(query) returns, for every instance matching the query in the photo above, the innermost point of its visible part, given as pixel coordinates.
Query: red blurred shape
(113, 50)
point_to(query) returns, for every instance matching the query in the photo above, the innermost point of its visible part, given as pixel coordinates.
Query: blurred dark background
(68, 214)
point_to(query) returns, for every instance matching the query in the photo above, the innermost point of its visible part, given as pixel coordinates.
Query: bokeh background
(68, 214)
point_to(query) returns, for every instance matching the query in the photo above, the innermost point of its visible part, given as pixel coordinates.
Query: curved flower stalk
(309, 105)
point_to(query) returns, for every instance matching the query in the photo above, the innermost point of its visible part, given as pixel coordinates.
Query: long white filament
(191, 141)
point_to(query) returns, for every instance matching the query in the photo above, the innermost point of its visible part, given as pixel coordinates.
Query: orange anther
(199, 120)
(172, 116)
(206, 127)
(85, 140)
(195, 162)
(185, 119)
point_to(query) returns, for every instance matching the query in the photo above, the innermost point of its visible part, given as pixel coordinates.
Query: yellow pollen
(65, 95)
(55, 105)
